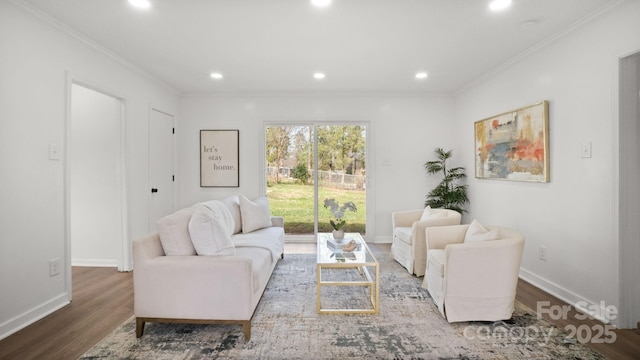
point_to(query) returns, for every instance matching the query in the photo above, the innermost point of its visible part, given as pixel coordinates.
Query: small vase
(338, 234)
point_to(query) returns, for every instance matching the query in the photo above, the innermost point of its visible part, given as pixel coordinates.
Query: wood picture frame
(514, 145)
(219, 158)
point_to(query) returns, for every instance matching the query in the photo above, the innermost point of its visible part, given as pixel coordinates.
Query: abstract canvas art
(514, 145)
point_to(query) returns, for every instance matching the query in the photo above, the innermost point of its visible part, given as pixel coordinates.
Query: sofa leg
(246, 329)
(282, 256)
(139, 327)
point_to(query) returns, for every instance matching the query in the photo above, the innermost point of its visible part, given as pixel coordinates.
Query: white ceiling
(277, 45)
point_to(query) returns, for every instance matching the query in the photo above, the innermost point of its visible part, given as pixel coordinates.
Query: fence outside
(330, 179)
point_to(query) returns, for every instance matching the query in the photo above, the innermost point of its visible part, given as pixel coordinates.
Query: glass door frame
(370, 204)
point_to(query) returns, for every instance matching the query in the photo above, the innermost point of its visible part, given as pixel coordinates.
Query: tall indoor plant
(448, 194)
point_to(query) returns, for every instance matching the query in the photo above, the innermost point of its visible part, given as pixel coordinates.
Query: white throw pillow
(477, 232)
(429, 213)
(209, 232)
(218, 206)
(233, 203)
(174, 233)
(255, 215)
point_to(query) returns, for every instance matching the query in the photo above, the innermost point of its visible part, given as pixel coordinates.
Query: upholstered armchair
(408, 246)
(473, 279)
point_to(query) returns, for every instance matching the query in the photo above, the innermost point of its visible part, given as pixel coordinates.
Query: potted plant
(338, 213)
(448, 194)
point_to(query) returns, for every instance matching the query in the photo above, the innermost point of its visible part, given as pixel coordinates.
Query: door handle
(154, 190)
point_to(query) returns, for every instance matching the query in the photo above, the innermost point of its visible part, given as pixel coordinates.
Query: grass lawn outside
(295, 203)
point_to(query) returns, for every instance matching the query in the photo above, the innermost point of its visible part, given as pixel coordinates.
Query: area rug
(286, 326)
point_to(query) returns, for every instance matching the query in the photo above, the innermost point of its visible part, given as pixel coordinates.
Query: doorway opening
(309, 164)
(94, 180)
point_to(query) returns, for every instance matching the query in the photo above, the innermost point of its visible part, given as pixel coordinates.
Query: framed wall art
(219, 158)
(514, 145)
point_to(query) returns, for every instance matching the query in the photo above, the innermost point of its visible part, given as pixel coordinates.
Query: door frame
(369, 158)
(124, 259)
(173, 161)
(625, 226)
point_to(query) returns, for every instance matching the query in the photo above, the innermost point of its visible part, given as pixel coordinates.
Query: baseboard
(599, 311)
(312, 239)
(22, 321)
(388, 239)
(95, 262)
(300, 239)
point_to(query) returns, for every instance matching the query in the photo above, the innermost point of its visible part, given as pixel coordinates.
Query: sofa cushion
(269, 234)
(255, 214)
(430, 213)
(174, 233)
(233, 204)
(271, 238)
(435, 261)
(403, 233)
(209, 230)
(477, 232)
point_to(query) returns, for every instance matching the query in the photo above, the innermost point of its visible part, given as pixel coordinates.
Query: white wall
(574, 214)
(404, 131)
(34, 58)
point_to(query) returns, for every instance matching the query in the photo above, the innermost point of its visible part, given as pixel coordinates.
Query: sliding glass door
(310, 165)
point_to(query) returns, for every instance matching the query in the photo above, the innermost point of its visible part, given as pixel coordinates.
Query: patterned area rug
(286, 326)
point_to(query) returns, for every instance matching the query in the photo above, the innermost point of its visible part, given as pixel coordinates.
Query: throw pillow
(477, 232)
(430, 213)
(255, 215)
(226, 216)
(233, 203)
(209, 232)
(174, 233)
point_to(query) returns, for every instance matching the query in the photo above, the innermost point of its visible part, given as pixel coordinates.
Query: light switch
(586, 149)
(54, 153)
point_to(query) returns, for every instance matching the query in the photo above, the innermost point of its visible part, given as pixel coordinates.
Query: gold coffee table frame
(364, 259)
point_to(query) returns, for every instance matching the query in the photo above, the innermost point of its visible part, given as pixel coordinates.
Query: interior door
(161, 166)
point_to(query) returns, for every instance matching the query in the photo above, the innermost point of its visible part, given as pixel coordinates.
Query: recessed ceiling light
(497, 5)
(321, 3)
(319, 76)
(421, 75)
(216, 75)
(142, 4)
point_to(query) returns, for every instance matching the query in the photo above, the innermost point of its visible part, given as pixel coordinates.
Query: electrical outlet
(542, 253)
(54, 267)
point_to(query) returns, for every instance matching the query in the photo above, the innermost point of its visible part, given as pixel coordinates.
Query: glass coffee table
(330, 256)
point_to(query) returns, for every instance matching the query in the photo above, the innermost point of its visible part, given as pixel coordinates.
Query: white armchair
(409, 246)
(473, 281)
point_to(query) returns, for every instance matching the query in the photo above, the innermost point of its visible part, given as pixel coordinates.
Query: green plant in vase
(338, 212)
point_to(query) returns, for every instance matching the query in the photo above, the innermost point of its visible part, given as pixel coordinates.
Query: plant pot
(338, 234)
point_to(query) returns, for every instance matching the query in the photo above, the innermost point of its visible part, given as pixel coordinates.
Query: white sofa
(473, 280)
(408, 246)
(174, 284)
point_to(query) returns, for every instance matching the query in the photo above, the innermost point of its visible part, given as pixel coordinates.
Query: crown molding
(57, 24)
(317, 94)
(541, 45)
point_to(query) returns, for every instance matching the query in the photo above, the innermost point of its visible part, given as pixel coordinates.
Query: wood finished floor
(103, 299)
